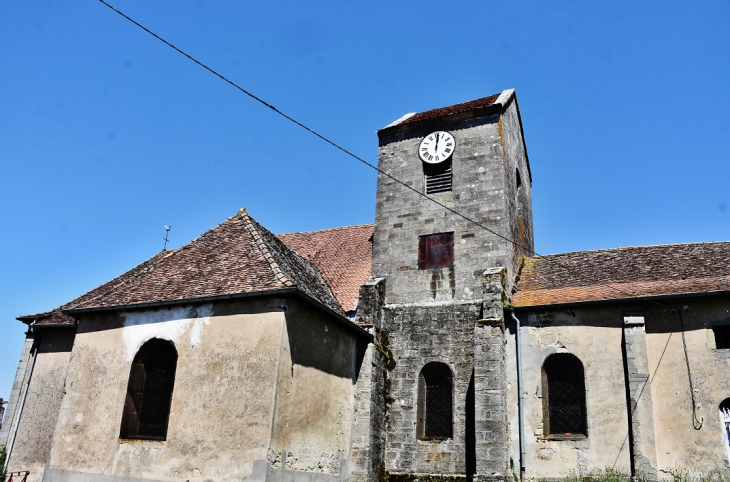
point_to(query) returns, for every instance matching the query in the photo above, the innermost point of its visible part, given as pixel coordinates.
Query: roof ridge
(263, 248)
(694, 243)
(328, 229)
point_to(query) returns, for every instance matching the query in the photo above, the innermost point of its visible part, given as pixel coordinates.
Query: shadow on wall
(700, 314)
(318, 341)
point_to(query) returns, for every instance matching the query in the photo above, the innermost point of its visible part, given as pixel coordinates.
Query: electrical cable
(358, 158)
(696, 424)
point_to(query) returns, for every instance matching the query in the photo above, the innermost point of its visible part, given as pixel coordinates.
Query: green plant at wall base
(613, 475)
(686, 475)
(383, 346)
(3, 456)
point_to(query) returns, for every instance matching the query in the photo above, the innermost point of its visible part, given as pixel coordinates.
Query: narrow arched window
(518, 178)
(564, 395)
(149, 392)
(725, 424)
(435, 402)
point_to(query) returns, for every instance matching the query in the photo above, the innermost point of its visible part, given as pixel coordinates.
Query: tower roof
(500, 99)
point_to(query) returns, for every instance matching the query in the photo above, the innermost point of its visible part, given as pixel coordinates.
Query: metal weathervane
(167, 228)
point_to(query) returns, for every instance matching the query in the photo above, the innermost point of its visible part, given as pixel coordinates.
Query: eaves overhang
(631, 299)
(289, 291)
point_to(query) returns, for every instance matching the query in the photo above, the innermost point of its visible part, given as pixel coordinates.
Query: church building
(431, 345)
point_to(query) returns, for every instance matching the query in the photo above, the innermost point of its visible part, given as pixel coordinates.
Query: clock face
(436, 147)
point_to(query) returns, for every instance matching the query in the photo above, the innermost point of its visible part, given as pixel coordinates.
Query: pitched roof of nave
(343, 256)
(610, 274)
(238, 256)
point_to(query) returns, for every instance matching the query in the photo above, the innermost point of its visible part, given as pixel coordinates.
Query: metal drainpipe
(519, 398)
(34, 348)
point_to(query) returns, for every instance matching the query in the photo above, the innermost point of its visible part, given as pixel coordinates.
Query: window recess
(722, 336)
(149, 392)
(435, 402)
(564, 398)
(436, 251)
(438, 177)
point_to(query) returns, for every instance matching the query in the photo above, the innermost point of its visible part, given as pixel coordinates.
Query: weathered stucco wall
(679, 444)
(671, 438)
(594, 337)
(313, 414)
(223, 399)
(45, 392)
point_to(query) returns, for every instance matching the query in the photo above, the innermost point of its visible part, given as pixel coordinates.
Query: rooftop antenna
(167, 228)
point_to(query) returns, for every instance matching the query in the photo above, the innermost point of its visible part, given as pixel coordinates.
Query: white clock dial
(436, 147)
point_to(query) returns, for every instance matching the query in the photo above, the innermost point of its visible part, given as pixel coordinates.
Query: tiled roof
(237, 256)
(624, 273)
(343, 256)
(453, 109)
(54, 317)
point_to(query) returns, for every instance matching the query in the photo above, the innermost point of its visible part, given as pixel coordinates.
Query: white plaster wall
(595, 338)
(315, 396)
(222, 405)
(679, 444)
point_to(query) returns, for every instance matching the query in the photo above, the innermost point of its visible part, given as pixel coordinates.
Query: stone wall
(45, 391)
(19, 382)
(420, 334)
(452, 315)
(488, 152)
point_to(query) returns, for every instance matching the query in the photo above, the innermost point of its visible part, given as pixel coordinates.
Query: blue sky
(106, 134)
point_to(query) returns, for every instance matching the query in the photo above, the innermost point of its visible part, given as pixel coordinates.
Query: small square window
(722, 336)
(436, 251)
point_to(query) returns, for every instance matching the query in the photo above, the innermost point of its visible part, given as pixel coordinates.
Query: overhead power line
(420, 193)
(372, 166)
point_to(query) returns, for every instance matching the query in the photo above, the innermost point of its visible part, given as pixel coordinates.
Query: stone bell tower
(439, 282)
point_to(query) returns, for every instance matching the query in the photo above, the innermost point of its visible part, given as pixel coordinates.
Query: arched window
(518, 178)
(149, 392)
(725, 424)
(564, 395)
(435, 402)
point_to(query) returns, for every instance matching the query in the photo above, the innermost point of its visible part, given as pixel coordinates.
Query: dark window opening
(564, 402)
(149, 392)
(519, 179)
(436, 251)
(722, 337)
(438, 177)
(725, 422)
(435, 402)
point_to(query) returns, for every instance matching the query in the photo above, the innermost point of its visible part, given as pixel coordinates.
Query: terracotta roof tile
(54, 317)
(453, 109)
(623, 273)
(343, 256)
(237, 256)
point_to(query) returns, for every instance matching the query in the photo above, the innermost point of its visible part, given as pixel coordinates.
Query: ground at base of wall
(396, 477)
(610, 475)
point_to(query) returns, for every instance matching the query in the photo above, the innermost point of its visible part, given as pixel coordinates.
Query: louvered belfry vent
(438, 177)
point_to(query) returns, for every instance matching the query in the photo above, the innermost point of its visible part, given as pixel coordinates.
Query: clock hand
(436, 149)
